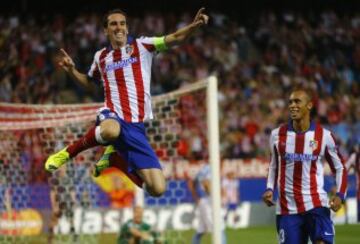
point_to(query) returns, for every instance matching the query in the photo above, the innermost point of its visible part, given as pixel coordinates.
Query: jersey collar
(291, 128)
(130, 39)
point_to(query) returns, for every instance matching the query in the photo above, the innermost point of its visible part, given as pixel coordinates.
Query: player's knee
(110, 131)
(155, 183)
(157, 190)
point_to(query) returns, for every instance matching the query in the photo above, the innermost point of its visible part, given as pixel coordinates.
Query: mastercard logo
(23, 222)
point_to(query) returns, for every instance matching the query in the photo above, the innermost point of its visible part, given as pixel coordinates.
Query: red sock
(118, 162)
(85, 142)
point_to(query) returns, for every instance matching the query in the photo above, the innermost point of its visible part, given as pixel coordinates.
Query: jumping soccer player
(125, 70)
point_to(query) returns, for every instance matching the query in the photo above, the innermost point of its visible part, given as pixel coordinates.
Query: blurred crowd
(257, 62)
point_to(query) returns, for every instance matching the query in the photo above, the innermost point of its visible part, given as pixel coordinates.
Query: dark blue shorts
(132, 143)
(232, 206)
(297, 228)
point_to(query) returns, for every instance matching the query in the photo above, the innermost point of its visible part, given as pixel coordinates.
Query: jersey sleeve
(124, 232)
(337, 164)
(204, 173)
(272, 174)
(94, 71)
(145, 227)
(153, 44)
(351, 161)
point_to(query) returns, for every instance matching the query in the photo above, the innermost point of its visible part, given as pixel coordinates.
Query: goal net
(70, 206)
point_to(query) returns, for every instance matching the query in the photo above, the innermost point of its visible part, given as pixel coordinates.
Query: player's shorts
(232, 206)
(297, 228)
(204, 215)
(132, 143)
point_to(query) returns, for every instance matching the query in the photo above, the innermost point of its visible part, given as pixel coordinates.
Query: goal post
(211, 88)
(185, 126)
(214, 156)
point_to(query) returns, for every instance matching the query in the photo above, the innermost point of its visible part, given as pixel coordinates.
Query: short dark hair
(114, 11)
(311, 96)
(307, 91)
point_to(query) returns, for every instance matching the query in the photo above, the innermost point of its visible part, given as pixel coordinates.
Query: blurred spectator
(256, 62)
(230, 195)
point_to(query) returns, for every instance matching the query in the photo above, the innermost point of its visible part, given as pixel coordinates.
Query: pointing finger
(200, 11)
(64, 53)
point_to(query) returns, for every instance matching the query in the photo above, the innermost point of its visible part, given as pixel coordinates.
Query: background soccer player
(354, 162)
(296, 167)
(124, 68)
(200, 189)
(136, 230)
(230, 194)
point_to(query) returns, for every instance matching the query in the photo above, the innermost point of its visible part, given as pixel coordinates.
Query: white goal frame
(25, 117)
(214, 156)
(212, 114)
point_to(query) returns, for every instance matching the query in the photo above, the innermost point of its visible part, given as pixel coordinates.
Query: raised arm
(183, 33)
(68, 65)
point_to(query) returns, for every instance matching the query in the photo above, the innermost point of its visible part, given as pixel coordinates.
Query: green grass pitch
(345, 234)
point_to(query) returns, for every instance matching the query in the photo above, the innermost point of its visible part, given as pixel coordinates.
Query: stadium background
(251, 48)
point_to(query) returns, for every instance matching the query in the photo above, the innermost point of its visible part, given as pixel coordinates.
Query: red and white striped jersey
(126, 74)
(354, 161)
(296, 168)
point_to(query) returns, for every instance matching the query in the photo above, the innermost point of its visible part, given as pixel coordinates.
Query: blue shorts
(297, 228)
(232, 206)
(132, 143)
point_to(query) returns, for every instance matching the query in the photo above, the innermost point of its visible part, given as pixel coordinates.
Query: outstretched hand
(201, 18)
(66, 61)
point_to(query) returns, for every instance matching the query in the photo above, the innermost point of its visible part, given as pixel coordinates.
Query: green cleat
(104, 161)
(56, 160)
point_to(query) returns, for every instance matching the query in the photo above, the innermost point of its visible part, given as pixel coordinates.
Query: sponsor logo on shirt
(120, 64)
(300, 157)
